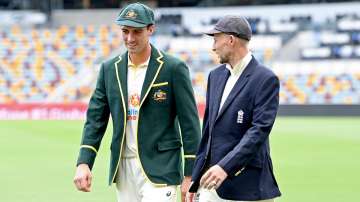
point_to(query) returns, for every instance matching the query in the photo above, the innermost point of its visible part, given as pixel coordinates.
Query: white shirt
(234, 76)
(135, 80)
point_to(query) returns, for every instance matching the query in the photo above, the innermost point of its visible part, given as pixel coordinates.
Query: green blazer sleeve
(187, 114)
(96, 122)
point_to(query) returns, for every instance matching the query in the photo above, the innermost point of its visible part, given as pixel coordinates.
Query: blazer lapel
(121, 67)
(239, 85)
(152, 72)
(219, 83)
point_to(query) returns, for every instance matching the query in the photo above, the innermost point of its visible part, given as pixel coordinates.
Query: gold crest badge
(159, 96)
(134, 100)
(131, 14)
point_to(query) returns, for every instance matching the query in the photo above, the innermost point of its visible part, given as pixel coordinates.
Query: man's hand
(82, 179)
(185, 185)
(189, 197)
(213, 178)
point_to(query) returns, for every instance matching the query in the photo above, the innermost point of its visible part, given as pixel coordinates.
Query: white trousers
(133, 186)
(206, 195)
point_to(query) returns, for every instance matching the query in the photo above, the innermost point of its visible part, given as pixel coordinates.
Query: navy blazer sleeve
(266, 102)
(205, 128)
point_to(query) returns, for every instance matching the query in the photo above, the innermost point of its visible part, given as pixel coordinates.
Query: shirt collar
(240, 66)
(143, 65)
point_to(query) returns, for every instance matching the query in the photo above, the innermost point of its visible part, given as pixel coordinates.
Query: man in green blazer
(150, 99)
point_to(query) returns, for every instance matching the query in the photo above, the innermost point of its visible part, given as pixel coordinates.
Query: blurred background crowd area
(50, 51)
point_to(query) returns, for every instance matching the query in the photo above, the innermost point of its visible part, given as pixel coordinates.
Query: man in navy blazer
(233, 161)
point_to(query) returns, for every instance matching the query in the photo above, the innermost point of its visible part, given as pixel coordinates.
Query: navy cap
(232, 24)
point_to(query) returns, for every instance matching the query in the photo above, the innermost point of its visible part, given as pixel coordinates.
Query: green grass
(315, 159)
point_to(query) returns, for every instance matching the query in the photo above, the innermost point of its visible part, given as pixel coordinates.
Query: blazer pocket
(169, 145)
(256, 162)
(160, 84)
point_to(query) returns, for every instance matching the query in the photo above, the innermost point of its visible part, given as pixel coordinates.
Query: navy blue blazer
(237, 138)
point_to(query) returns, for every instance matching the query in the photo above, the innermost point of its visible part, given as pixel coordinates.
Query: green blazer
(168, 119)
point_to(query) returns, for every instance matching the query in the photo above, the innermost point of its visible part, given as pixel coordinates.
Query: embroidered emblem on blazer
(159, 96)
(240, 116)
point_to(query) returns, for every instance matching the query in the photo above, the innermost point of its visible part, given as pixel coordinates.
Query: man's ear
(151, 29)
(232, 40)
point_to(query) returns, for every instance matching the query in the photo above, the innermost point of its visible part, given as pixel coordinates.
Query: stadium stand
(60, 63)
(35, 63)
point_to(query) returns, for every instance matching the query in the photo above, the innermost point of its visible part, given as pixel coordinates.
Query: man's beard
(224, 59)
